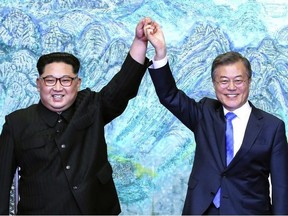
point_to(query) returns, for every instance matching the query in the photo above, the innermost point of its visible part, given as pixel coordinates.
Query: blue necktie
(229, 150)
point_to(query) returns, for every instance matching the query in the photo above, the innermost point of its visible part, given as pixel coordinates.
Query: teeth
(57, 96)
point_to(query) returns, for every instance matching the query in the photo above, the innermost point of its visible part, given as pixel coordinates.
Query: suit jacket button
(68, 167)
(75, 187)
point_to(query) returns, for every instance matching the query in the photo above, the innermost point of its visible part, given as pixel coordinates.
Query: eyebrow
(239, 76)
(57, 77)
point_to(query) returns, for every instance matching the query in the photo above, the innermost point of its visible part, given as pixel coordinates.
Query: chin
(231, 107)
(57, 109)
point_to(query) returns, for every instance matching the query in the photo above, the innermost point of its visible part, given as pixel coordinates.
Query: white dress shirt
(159, 63)
(239, 124)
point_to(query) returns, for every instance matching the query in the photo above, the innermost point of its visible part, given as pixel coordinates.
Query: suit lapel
(219, 128)
(254, 127)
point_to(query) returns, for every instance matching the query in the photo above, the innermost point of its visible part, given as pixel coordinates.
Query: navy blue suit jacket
(245, 182)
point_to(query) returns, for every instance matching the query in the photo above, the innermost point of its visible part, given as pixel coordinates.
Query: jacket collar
(51, 117)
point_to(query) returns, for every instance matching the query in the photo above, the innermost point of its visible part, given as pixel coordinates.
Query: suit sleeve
(175, 100)
(123, 87)
(7, 167)
(279, 172)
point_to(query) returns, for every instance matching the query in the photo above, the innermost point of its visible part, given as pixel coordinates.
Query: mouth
(57, 96)
(231, 95)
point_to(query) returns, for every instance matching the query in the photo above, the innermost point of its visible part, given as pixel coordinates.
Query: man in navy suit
(259, 149)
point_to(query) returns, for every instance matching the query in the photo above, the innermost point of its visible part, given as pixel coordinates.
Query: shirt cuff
(159, 63)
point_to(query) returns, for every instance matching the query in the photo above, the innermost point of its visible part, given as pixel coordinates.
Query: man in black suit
(59, 143)
(233, 180)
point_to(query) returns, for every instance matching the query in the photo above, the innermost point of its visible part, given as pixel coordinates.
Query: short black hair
(67, 58)
(230, 58)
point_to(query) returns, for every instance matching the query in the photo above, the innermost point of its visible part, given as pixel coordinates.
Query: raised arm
(175, 100)
(125, 84)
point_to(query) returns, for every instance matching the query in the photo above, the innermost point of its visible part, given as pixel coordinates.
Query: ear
(79, 81)
(38, 84)
(250, 80)
(214, 84)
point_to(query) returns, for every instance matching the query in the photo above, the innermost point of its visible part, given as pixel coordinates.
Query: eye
(49, 80)
(238, 81)
(66, 80)
(224, 82)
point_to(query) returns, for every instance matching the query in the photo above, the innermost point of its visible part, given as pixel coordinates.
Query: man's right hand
(155, 36)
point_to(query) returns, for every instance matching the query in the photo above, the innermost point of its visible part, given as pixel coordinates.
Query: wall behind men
(150, 150)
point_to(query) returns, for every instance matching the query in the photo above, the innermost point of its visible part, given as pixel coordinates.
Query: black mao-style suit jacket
(74, 175)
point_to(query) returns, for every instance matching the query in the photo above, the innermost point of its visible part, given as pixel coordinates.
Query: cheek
(44, 91)
(73, 91)
(219, 92)
(245, 92)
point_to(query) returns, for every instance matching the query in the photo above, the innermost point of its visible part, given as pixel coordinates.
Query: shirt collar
(241, 112)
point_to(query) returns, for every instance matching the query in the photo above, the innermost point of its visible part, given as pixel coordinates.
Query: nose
(58, 86)
(231, 85)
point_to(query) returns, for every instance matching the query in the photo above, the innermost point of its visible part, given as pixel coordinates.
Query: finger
(148, 30)
(147, 20)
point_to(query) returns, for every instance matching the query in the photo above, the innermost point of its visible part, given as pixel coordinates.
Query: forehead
(58, 69)
(232, 70)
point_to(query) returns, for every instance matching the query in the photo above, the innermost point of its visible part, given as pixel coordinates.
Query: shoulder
(22, 119)
(85, 96)
(265, 115)
(87, 100)
(210, 103)
(23, 113)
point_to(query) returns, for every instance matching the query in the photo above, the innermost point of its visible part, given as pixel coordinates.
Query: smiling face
(58, 98)
(232, 94)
